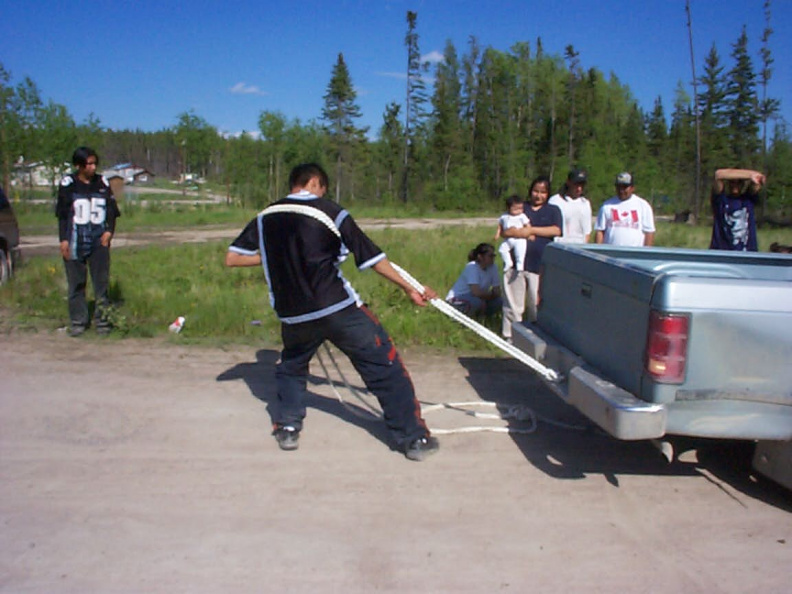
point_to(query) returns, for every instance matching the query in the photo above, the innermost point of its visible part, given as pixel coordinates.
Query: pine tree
(416, 98)
(469, 92)
(713, 107)
(273, 134)
(339, 113)
(446, 102)
(743, 112)
(682, 146)
(779, 170)
(572, 58)
(657, 130)
(768, 107)
(391, 139)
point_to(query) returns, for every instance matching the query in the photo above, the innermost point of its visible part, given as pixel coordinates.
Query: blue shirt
(547, 216)
(734, 222)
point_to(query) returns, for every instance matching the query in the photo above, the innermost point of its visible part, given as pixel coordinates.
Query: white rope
(547, 373)
(309, 211)
(516, 412)
(373, 414)
(520, 413)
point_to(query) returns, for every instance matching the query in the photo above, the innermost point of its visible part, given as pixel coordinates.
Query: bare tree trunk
(338, 179)
(697, 194)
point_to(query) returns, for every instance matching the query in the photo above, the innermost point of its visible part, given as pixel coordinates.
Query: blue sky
(140, 64)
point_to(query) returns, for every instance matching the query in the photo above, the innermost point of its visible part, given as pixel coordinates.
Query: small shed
(116, 182)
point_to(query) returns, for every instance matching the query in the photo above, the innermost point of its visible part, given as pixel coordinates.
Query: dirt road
(147, 466)
(33, 245)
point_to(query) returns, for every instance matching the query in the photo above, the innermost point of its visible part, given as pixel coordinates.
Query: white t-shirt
(625, 221)
(577, 218)
(472, 274)
(509, 221)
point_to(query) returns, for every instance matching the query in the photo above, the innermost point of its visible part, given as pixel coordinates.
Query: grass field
(152, 285)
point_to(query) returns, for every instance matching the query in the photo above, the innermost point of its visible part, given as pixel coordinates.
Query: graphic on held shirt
(738, 222)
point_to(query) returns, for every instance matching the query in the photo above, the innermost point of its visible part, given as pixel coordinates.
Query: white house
(131, 173)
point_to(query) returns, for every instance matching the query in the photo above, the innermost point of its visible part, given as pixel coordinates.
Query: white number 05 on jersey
(92, 211)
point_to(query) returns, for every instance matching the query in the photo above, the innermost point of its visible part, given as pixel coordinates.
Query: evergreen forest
(471, 130)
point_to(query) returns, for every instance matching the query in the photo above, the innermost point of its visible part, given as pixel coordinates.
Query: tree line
(472, 129)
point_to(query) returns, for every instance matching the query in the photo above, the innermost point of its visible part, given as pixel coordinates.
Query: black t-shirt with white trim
(302, 256)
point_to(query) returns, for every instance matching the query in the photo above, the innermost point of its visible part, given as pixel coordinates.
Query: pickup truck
(653, 342)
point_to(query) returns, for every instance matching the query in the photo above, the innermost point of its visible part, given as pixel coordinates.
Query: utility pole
(697, 198)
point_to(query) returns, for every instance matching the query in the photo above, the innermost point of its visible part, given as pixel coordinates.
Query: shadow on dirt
(260, 379)
(566, 445)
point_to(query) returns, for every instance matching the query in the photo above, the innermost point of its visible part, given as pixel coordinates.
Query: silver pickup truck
(652, 342)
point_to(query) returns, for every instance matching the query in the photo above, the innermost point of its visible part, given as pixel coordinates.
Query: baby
(514, 218)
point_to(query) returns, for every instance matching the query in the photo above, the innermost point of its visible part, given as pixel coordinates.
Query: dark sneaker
(421, 448)
(287, 437)
(103, 330)
(75, 331)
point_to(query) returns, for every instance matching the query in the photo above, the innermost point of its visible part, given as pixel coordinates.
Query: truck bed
(594, 318)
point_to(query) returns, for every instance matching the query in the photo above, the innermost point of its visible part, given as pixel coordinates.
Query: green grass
(153, 285)
(39, 219)
(698, 237)
(159, 213)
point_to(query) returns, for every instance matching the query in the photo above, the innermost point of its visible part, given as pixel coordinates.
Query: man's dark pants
(98, 262)
(360, 336)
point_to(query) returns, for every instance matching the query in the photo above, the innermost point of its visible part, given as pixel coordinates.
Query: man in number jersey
(87, 212)
(300, 242)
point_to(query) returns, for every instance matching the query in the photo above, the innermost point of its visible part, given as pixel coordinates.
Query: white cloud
(433, 57)
(242, 88)
(428, 79)
(255, 134)
(399, 75)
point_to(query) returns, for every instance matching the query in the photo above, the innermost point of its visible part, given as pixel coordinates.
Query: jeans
(470, 305)
(360, 336)
(98, 262)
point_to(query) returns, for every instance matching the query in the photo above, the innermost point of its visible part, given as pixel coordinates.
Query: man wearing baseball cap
(575, 208)
(626, 219)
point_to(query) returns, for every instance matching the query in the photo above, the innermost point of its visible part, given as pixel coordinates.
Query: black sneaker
(76, 331)
(421, 448)
(287, 437)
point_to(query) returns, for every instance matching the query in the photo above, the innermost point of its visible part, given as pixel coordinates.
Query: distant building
(131, 174)
(37, 174)
(190, 178)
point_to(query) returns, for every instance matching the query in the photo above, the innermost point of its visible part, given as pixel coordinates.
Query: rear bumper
(615, 410)
(625, 416)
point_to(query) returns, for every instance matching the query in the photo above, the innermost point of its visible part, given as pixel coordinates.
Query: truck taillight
(666, 347)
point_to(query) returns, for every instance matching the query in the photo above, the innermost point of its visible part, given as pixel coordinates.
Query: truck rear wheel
(6, 269)
(774, 460)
